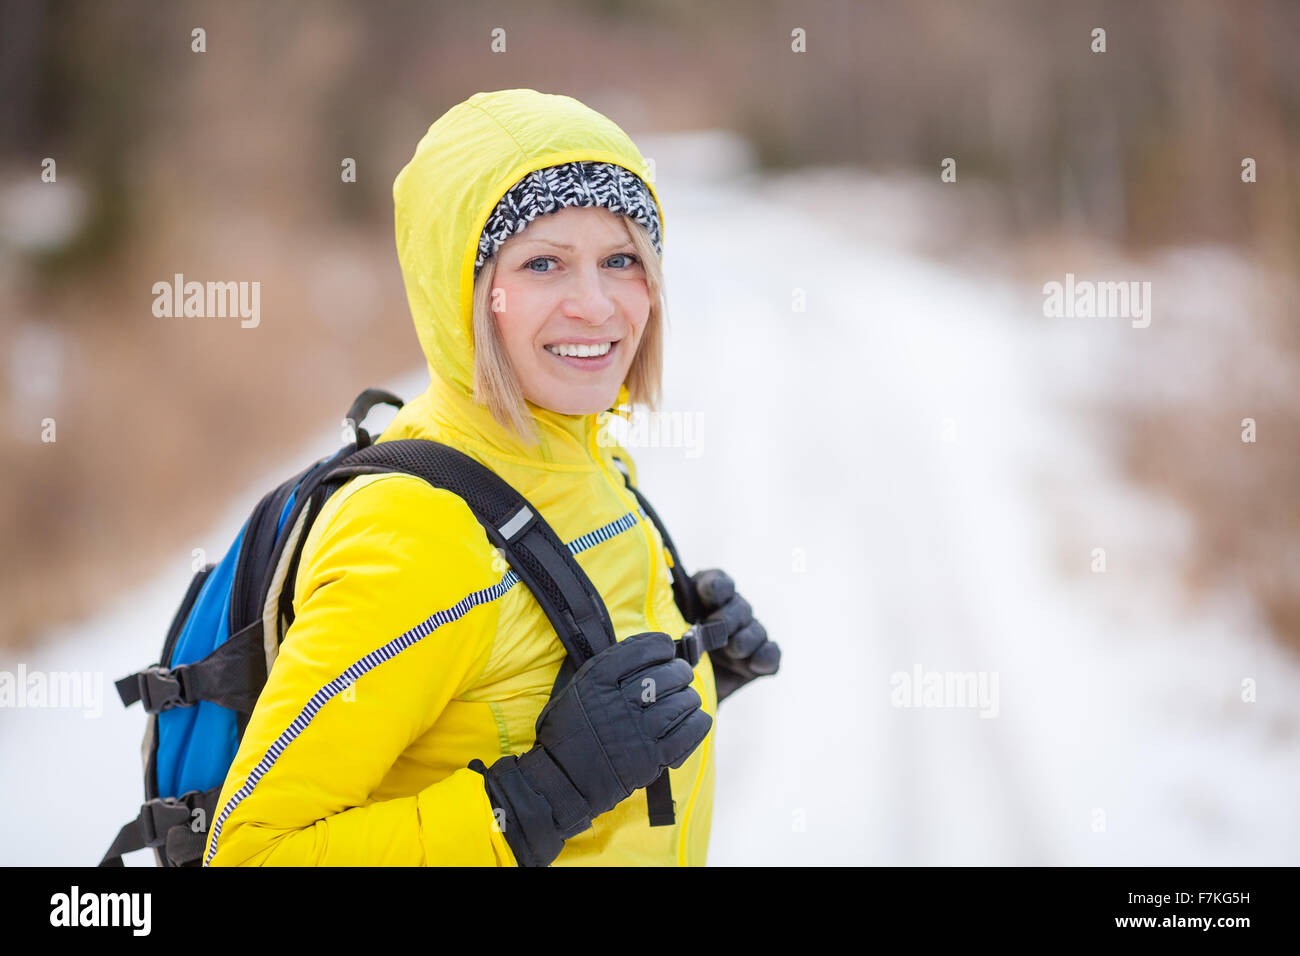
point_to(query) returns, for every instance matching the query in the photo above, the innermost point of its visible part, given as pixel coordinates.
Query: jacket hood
(442, 198)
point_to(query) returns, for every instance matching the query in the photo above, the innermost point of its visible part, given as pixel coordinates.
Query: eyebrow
(565, 246)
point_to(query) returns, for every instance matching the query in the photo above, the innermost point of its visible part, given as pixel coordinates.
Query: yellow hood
(462, 167)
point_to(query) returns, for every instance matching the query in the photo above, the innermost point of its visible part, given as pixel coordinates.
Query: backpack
(218, 649)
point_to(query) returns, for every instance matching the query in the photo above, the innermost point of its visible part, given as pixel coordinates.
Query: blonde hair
(495, 383)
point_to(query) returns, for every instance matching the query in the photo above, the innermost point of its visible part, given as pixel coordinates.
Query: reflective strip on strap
(520, 519)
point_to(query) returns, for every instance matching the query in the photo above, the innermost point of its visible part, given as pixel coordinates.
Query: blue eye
(530, 265)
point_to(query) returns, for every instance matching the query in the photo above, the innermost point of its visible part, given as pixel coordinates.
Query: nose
(587, 299)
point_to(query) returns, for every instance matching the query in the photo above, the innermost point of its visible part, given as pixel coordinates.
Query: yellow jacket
(375, 772)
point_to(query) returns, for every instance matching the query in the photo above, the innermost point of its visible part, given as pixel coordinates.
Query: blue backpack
(215, 659)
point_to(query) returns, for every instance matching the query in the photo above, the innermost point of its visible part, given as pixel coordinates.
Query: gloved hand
(748, 653)
(607, 733)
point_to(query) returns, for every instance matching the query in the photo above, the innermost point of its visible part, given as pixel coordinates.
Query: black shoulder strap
(535, 553)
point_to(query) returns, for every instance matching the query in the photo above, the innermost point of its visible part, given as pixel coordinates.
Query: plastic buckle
(691, 647)
(159, 815)
(163, 688)
(701, 638)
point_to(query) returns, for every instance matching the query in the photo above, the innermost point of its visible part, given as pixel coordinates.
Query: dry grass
(161, 422)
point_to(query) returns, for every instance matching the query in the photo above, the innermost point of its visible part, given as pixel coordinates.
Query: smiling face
(571, 302)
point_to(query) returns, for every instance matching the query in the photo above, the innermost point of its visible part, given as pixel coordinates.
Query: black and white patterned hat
(553, 188)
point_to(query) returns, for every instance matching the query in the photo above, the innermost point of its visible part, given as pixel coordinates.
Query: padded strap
(535, 553)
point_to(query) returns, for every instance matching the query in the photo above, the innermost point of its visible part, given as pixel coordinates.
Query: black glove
(748, 653)
(606, 734)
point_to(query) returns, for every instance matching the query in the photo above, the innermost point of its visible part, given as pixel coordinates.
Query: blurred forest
(226, 164)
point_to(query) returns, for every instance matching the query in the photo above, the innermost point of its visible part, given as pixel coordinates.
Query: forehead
(573, 225)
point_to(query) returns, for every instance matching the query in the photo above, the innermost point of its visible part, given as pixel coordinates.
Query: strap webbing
(659, 802)
(157, 827)
(231, 676)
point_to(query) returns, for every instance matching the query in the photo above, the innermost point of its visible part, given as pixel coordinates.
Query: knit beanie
(581, 183)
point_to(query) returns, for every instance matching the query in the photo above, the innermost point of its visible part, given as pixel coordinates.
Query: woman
(529, 239)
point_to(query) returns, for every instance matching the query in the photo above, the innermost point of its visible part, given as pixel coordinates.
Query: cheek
(637, 307)
(633, 300)
(521, 319)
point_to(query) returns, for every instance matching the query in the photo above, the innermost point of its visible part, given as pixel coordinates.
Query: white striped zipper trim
(391, 650)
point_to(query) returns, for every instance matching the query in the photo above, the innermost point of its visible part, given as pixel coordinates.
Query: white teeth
(581, 351)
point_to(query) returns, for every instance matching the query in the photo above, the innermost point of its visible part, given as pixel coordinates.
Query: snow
(895, 479)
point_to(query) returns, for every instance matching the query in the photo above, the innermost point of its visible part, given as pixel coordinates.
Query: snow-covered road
(885, 464)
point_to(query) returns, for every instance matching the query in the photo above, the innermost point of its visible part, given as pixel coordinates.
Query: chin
(589, 401)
